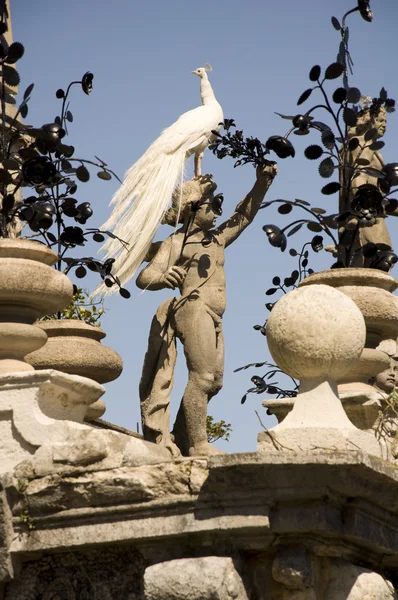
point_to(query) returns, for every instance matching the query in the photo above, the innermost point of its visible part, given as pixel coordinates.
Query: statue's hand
(174, 277)
(266, 172)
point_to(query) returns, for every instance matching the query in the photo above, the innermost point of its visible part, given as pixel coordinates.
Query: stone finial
(315, 334)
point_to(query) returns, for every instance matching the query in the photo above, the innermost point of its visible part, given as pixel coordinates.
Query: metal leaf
(330, 188)
(363, 162)
(374, 172)
(370, 134)
(285, 209)
(28, 91)
(315, 73)
(353, 95)
(295, 229)
(10, 76)
(9, 98)
(69, 116)
(341, 54)
(104, 175)
(124, 293)
(336, 24)
(326, 168)
(14, 52)
(378, 145)
(315, 227)
(82, 174)
(304, 96)
(339, 95)
(334, 70)
(328, 139)
(313, 152)
(353, 144)
(350, 117)
(23, 109)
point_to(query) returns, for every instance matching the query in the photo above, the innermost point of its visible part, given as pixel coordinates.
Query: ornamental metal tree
(40, 173)
(348, 151)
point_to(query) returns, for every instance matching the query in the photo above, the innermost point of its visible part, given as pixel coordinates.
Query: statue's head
(197, 192)
(369, 118)
(387, 380)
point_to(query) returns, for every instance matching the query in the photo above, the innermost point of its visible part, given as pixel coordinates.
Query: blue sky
(142, 55)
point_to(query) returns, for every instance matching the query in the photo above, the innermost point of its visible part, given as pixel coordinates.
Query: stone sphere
(315, 332)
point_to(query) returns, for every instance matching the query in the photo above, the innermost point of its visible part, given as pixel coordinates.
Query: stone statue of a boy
(191, 259)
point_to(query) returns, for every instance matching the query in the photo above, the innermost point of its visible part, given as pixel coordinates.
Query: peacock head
(202, 71)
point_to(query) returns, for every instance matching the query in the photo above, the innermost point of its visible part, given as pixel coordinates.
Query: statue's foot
(204, 449)
(171, 447)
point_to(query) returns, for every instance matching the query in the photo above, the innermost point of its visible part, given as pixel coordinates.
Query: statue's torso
(203, 257)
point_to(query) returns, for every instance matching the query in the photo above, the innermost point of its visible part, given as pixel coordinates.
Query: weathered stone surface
(208, 578)
(43, 413)
(75, 347)
(351, 582)
(29, 289)
(108, 574)
(370, 289)
(292, 567)
(315, 333)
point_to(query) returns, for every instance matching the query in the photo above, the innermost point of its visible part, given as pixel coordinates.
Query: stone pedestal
(29, 289)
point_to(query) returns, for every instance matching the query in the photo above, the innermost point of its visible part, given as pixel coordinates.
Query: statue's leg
(196, 330)
(157, 380)
(180, 429)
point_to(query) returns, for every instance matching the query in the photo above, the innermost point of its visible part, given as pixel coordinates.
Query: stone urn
(75, 347)
(29, 289)
(371, 290)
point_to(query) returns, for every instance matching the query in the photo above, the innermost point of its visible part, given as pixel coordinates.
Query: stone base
(42, 414)
(306, 439)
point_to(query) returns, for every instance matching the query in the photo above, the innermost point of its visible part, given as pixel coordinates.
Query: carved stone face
(380, 122)
(205, 217)
(387, 380)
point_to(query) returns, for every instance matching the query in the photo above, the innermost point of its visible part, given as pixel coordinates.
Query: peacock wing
(190, 129)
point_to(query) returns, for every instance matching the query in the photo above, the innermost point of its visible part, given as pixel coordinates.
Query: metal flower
(276, 237)
(302, 122)
(390, 171)
(317, 243)
(281, 146)
(384, 258)
(87, 82)
(367, 205)
(38, 170)
(364, 9)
